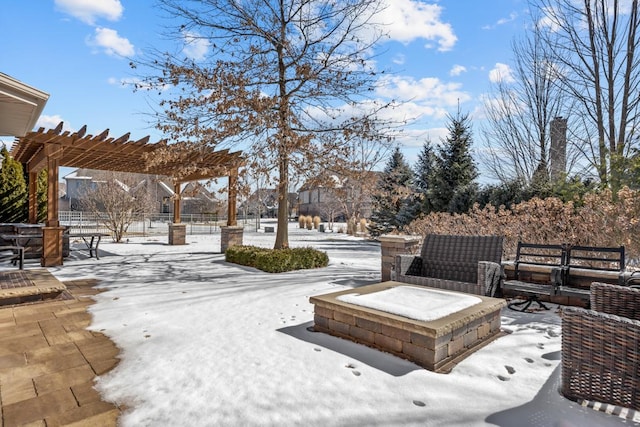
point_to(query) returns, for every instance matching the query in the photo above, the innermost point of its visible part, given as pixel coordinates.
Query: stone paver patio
(48, 361)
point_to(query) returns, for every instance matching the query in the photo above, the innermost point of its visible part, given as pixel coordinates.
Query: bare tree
(519, 112)
(288, 77)
(594, 45)
(351, 178)
(117, 200)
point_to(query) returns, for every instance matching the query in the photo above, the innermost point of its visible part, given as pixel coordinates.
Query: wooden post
(33, 197)
(176, 202)
(52, 191)
(232, 197)
(52, 243)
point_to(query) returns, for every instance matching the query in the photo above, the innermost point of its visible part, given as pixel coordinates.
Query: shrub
(277, 260)
(598, 219)
(309, 222)
(302, 221)
(363, 225)
(316, 222)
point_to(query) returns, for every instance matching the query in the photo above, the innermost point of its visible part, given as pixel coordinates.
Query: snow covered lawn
(207, 343)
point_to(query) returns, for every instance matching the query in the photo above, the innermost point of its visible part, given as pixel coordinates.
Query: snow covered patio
(204, 342)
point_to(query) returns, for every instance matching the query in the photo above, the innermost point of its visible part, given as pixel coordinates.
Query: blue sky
(442, 52)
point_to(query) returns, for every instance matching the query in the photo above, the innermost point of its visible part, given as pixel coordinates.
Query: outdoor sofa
(470, 264)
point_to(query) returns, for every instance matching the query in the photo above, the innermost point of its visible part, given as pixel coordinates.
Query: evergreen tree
(392, 204)
(42, 195)
(13, 189)
(424, 177)
(454, 189)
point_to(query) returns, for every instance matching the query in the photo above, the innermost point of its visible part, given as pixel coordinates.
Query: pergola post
(177, 230)
(231, 235)
(176, 202)
(52, 243)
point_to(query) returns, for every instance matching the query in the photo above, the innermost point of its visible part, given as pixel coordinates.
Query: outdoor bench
(587, 264)
(562, 270)
(469, 264)
(91, 241)
(544, 270)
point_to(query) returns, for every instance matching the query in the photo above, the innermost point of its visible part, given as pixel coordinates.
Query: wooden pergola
(54, 148)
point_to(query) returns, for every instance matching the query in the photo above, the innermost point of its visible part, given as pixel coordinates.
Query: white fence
(149, 224)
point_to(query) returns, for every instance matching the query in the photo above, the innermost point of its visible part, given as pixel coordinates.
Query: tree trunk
(282, 233)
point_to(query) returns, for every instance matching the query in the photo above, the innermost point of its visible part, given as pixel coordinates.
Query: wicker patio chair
(601, 347)
(470, 264)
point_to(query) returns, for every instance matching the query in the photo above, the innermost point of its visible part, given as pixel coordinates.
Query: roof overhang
(20, 106)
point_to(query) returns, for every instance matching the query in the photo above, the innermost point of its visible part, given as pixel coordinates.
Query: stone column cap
(399, 238)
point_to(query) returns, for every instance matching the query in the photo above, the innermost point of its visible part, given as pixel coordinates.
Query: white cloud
(89, 10)
(512, 17)
(399, 59)
(550, 19)
(457, 70)
(50, 122)
(426, 90)
(111, 42)
(501, 73)
(195, 46)
(408, 20)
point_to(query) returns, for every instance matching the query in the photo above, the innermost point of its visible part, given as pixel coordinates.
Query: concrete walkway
(48, 361)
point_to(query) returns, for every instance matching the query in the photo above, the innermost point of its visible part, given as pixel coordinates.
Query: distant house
(264, 202)
(194, 197)
(343, 199)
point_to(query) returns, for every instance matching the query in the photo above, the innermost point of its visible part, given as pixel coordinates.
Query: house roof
(20, 106)
(121, 154)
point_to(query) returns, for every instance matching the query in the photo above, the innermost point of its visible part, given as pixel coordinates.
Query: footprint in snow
(540, 345)
(510, 370)
(317, 349)
(356, 373)
(503, 378)
(528, 359)
(419, 403)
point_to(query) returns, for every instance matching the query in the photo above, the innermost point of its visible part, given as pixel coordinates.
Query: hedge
(277, 260)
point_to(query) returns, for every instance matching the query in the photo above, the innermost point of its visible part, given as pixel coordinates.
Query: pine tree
(455, 171)
(424, 177)
(392, 207)
(42, 195)
(13, 189)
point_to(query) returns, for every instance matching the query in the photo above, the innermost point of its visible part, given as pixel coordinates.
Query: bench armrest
(408, 265)
(490, 277)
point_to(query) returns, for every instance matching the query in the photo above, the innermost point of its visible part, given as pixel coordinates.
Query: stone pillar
(177, 234)
(231, 236)
(391, 246)
(51, 246)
